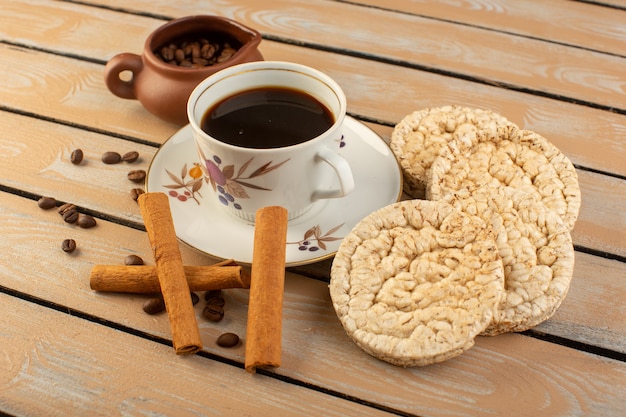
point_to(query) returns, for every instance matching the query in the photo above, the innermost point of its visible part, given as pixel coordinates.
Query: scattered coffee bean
(131, 156)
(66, 207)
(194, 298)
(217, 301)
(77, 156)
(227, 340)
(213, 313)
(47, 203)
(154, 305)
(86, 221)
(137, 175)
(135, 193)
(213, 293)
(68, 245)
(111, 157)
(133, 260)
(70, 216)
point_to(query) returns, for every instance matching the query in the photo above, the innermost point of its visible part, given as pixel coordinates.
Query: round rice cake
(414, 282)
(418, 138)
(536, 250)
(516, 158)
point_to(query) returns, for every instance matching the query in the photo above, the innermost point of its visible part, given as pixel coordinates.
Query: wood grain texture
(83, 26)
(69, 350)
(105, 188)
(568, 22)
(442, 45)
(93, 375)
(313, 340)
(403, 90)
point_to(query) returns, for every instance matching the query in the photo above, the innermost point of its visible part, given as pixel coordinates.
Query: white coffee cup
(246, 179)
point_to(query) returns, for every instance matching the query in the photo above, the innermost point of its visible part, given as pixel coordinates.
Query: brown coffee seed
(179, 55)
(194, 298)
(167, 53)
(47, 203)
(137, 175)
(227, 340)
(66, 207)
(154, 305)
(86, 221)
(213, 293)
(77, 156)
(133, 260)
(131, 156)
(213, 313)
(216, 301)
(111, 157)
(135, 193)
(70, 216)
(68, 245)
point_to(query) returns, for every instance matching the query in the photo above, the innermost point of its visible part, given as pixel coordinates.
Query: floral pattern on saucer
(202, 223)
(187, 185)
(314, 240)
(231, 183)
(184, 189)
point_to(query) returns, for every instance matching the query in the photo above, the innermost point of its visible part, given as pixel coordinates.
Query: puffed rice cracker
(418, 137)
(518, 158)
(536, 250)
(414, 282)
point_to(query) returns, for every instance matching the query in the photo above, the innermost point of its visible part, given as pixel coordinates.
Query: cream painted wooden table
(556, 67)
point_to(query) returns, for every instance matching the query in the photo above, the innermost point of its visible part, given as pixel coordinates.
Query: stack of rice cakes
(488, 252)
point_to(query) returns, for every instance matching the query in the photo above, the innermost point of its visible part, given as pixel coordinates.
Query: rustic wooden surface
(557, 68)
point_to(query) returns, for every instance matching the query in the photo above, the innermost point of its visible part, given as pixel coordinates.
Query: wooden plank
(77, 103)
(491, 376)
(584, 311)
(36, 158)
(568, 22)
(80, 97)
(388, 100)
(469, 51)
(595, 279)
(59, 365)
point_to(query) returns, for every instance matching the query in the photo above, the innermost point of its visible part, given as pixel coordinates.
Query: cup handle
(343, 171)
(118, 64)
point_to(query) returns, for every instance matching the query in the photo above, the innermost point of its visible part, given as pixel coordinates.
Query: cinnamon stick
(265, 308)
(155, 210)
(143, 279)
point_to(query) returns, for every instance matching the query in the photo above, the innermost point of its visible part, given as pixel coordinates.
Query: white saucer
(205, 225)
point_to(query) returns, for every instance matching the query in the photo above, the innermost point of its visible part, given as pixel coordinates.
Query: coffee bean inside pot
(227, 340)
(47, 203)
(111, 157)
(68, 245)
(137, 175)
(77, 156)
(197, 53)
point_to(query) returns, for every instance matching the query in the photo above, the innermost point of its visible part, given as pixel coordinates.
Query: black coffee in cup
(267, 117)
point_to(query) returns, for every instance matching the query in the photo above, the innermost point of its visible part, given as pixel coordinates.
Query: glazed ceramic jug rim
(157, 35)
(260, 66)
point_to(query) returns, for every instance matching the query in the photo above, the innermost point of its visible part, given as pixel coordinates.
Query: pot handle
(118, 64)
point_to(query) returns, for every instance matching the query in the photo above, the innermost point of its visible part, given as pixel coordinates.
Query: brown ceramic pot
(162, 88)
